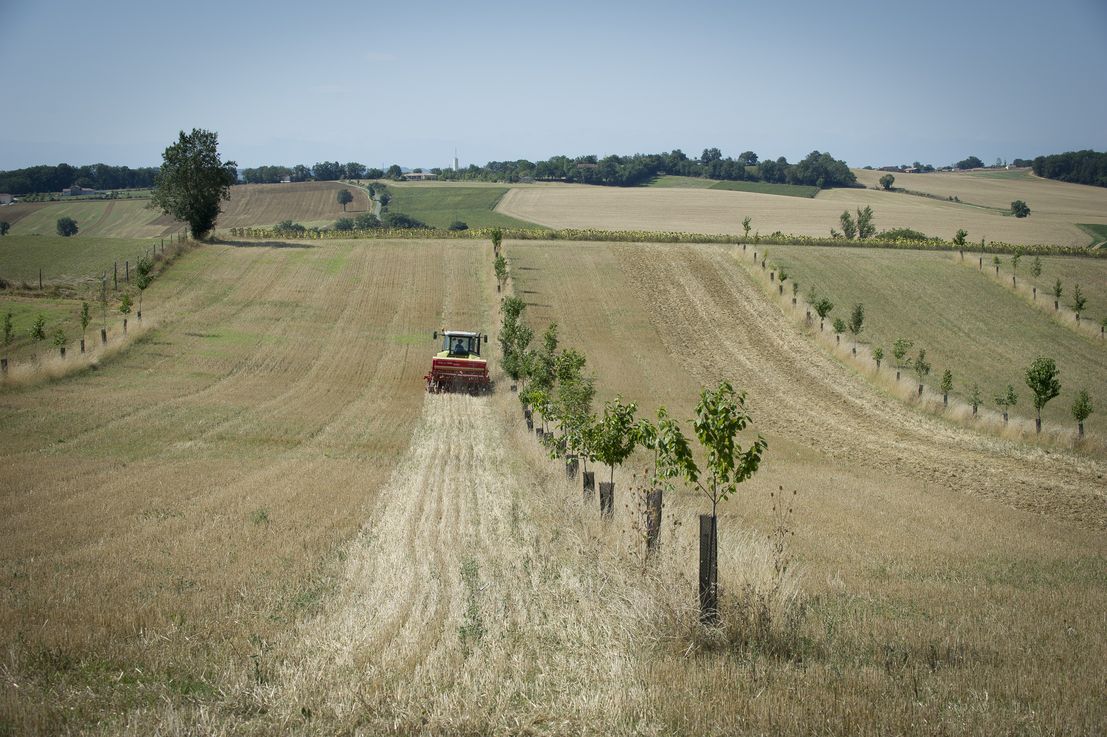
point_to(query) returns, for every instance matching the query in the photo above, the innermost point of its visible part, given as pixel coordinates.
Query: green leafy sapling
(38, 328)
(946, 386)
(1005, 400)
(1042, 378)
(1081, 409)
(974, 398)
(922, 368)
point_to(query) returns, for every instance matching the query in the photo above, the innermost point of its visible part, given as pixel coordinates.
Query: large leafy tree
(193, 181)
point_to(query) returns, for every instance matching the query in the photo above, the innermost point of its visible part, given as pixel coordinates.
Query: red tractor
(458, 367)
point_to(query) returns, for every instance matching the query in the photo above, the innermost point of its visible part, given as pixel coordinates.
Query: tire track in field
(454, 610)
(718, 324)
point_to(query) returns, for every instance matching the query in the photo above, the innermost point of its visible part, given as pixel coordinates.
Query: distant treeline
(816, 169)
(56, 178)
(1079, 167)
(322, 171)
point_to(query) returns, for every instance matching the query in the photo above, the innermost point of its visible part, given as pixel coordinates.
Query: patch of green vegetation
(218, 343)
(64, 260)
(1098, 231)
(410, 339)
(788, 190)
(1001, 173)
(440, 206)
(334, 263)
(673, 181)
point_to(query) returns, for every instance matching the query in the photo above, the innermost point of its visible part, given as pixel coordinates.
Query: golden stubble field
(718, 211)
(256, 523)
(168, 515)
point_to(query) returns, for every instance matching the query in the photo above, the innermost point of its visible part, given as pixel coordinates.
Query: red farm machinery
(458, 366)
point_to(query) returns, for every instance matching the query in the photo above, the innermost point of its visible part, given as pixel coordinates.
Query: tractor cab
(460, 344)
(458, 366)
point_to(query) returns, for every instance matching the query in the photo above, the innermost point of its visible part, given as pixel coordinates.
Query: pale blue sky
(298, 82)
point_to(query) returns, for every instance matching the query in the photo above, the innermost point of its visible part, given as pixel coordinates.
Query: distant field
(676, 182)
(440, 206)
(717, 211)
(1098, 231)
(1056, 205)
(788, 190)
(303, 202)
(100, 218)
(250, 204)
(65, 259)
(673, 181)
(1000, 173)
(967, 322)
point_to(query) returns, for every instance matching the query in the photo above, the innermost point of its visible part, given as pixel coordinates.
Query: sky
(872, 82)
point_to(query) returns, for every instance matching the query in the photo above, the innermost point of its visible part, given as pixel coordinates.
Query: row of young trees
(37, 332)
(1042, 376)
(554, 384)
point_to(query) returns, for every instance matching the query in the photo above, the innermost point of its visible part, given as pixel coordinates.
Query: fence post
(40, 279)
(61, 349)
(3, 365)
(82, 345)
(607, 499)
(115, 276)
(124, 326)
(127, 267)
(103, 336)
(709, 570)
(653, 521)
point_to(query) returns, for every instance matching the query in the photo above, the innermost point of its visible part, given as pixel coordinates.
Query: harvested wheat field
(718, 211)
(309, 203)
(1078, 203)
(169, 514)
(255, 522)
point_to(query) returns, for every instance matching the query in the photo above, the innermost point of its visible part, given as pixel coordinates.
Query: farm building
(76, 191)
(419, 176)
(6, 199)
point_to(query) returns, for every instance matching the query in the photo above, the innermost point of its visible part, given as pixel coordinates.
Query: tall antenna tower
(456, 167)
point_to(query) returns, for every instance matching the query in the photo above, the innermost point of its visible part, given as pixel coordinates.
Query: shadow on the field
(263, 244)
